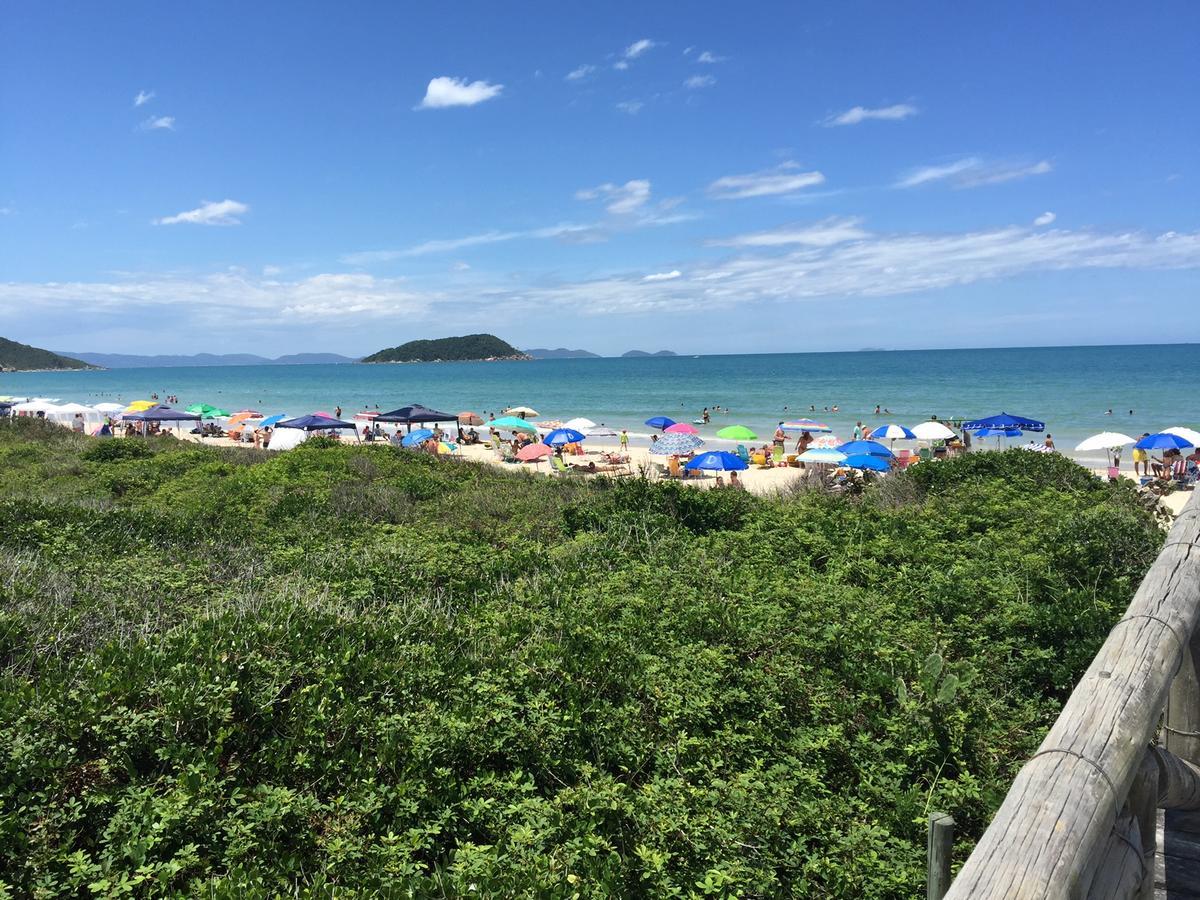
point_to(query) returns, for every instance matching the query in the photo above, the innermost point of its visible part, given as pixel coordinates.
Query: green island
(355, 669)
(466, 348)
(15, 357)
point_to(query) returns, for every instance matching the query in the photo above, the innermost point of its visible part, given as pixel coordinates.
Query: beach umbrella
(1105, 440)
(469, 418)
(580, 424)
(444, 448)
(805, 425)
(161, 413)
(319, 412)
(560, 436)
(825, 455)
(534, 452)
(255, 414)
(1164, 440)
(675, 444)
(717, 461)
(866, 462)
(139, 405)
(1034, 447)
(932, 431)
(681, 428)
(868, 448)
(737, 433)
(1004, 420)
(1188, 434)
(521, 411)
(548, 424)
(512, 423)
(601, 431)
(891, 433)
(272, 420)
(660, 422)
(108, 407)
(998, 432)
(825, 442)
(416, 438)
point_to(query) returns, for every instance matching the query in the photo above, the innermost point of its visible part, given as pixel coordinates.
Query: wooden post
(1183, 708)
(1143, 804)
(940, 847)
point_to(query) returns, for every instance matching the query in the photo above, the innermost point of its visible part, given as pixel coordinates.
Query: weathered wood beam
(1178, 780)
(1050, 834)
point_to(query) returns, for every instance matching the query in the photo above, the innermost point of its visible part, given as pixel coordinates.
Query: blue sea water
(1148, 388)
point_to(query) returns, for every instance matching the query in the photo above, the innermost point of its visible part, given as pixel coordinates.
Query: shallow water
(1070, 388)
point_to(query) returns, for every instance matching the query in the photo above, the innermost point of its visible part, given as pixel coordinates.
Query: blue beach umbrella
(675, 445)
(272, 420)
(1004, 420)
(867, 462)
(416, 438)
(660, 422)
(869, 448)
(717, 461)
(1164, 440)
(512, 423)
(560, 436)
(891, 433)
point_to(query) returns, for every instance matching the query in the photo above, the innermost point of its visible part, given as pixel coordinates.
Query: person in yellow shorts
(1141, 460)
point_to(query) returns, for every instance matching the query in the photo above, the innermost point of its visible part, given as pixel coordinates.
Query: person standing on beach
(624, 440)
(779, 436)
(858, 431)
(1141, 459)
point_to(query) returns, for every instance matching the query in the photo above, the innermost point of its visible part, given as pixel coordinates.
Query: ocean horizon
(1147, 387)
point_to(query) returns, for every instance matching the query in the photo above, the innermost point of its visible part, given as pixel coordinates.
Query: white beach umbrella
(1105, 440)
(599, 431)
(822, 455)
(109, 407)
(1188, 434)
(580, 424)
(932, 431)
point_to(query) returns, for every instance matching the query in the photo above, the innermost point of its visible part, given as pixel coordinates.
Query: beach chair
(743, 454)
(777, 455)
(674, 470)
(559, 466)
(925, 454)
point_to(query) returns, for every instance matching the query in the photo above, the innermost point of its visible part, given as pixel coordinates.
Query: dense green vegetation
(22, 356)
(235, 673)
(467, 347)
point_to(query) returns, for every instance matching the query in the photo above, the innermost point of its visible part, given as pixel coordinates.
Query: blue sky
(709, 177)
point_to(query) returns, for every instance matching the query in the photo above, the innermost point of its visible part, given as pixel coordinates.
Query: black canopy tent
(416, 414)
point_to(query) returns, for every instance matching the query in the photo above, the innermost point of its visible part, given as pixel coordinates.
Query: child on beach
(624, 440)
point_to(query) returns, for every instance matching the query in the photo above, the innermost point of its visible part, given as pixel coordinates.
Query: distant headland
(16, 357)
(632, 354)
(464, 348)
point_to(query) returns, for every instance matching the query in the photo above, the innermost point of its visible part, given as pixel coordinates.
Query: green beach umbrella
(737, 433)
(205, 410)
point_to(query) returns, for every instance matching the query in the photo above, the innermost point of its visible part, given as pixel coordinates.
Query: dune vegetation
(229, 672)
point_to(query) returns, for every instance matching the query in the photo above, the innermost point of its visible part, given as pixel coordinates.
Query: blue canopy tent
(316, 422)
(998, 432)
(662, 423)
(161, 413)
(717, 461)
(1004, 420)
(416, 414)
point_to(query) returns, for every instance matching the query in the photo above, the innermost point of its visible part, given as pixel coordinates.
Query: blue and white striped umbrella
(891, 433)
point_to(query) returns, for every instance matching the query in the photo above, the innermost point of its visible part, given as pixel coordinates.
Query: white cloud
(664, 276)
(7, 211)
(159, 122)
(1045, 218)
(272, 271)
(445, 91)
(783, 179)
(225, 212)
(143, 97)
(630, 106)
(461, 266)
(580, 72)
(707, 57)
(860, 114)
(973, 172)
(446, 245)
(877, 265)
(637, 48)
(622, 198)
(699, 81)
(821, 234)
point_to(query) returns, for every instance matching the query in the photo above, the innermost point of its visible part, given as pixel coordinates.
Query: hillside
(468, 347)
(17, 357)
(561, 353)
(350, 666)
(633, 354)
(137, 361)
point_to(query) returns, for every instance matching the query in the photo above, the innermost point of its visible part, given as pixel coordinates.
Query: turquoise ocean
(1148, 388)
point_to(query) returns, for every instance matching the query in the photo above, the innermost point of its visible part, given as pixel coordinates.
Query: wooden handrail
(1070, 804)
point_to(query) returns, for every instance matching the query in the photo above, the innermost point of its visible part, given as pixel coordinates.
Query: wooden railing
(1079, 820)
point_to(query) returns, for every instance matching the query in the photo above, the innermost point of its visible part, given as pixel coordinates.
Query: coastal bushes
(378, 672)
